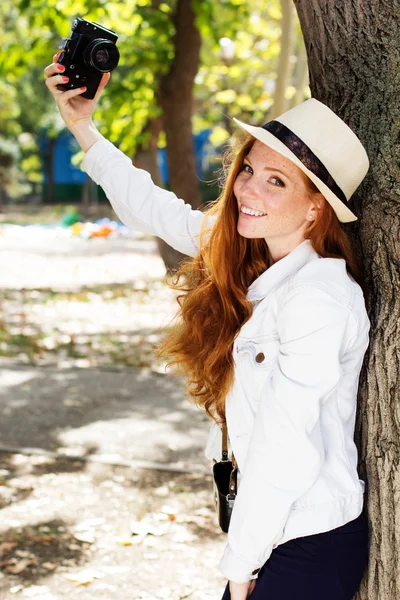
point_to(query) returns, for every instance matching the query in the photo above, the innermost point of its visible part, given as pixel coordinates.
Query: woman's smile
(250, 213)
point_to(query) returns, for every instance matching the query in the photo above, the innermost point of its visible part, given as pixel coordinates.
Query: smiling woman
(271, 334)
(274, 199)
(237, 251)
(257, 275)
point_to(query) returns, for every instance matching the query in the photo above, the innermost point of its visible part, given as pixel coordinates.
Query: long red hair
(213, 304)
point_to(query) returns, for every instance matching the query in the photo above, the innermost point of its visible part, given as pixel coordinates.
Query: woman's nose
(250, 187)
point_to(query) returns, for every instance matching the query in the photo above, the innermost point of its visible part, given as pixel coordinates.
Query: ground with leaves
(84, 512)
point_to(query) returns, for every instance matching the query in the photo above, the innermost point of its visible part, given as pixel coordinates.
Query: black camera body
(89, 52)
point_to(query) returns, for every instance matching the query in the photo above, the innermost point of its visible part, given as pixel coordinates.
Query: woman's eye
(275, 180)
(278, 181)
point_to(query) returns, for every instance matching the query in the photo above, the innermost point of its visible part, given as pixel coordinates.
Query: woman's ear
(319, 201)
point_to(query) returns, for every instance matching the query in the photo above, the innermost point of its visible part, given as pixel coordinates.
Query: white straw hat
(314, 138)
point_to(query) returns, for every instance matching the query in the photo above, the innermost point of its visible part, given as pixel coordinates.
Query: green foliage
(31, 31)
(11, 177)
(241, 86)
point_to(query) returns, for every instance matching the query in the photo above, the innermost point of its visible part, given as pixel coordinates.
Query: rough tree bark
(353, 49)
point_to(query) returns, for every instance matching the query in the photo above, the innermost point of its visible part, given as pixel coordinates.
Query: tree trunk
(146, 155)
(175, 96)
(354, 60)
(287, 37)
(146, 158)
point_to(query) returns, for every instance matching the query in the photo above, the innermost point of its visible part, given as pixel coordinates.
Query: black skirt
(324, 566)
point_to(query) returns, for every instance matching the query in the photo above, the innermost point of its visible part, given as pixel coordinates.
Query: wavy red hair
(213, 304)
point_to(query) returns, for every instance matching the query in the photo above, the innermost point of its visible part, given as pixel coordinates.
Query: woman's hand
(73, 109)
(241, 591)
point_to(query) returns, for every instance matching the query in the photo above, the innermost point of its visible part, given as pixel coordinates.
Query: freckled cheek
(273, 202)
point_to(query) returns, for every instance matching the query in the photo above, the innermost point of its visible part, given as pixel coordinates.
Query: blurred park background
(104, 488)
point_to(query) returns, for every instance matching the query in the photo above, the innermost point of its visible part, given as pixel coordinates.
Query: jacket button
(260, 357)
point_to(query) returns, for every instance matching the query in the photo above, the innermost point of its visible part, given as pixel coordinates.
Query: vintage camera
(87, 54)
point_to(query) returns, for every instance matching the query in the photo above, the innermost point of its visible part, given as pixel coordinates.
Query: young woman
(272, 333)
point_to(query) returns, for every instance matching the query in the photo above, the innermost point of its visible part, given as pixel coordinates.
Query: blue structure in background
(204, 152)
(63, 169)
(69, 179)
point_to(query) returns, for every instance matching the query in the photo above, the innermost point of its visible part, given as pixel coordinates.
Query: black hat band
(305, 155)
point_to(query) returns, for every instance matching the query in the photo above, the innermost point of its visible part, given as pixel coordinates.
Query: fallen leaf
(85, 525)
(70, 402)
(16, 588)
(84, 577)
(161, 491)
(85, 536)
(49, 566)
(45, 540)
(74, 547)
(23, 554)
(145, 527)
(126, 541)
(139, 528)
(138, 539)
(19, 566)
(168, 510)
(6, 547)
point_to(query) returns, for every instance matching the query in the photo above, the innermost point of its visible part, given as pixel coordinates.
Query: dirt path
(78, 377)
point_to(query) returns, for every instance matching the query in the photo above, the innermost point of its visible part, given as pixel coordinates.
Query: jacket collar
(284, 267)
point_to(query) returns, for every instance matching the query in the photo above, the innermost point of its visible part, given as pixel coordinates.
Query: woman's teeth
(250, 211)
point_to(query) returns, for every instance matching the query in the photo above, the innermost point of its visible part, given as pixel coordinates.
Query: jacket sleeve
(286, 449)
(139, 203)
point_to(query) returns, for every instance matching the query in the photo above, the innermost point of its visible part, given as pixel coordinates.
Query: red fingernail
(61, 68)
(65, 78)
(82, 88)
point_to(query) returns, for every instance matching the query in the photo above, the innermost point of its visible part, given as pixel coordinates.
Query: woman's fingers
(65, 96)
(54, 77)
(252, 586)
(104, 80)
(52, 82)
(57, 54)
(53, 68)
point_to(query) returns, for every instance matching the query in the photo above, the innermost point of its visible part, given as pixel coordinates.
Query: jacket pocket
(254, 360)
(261, 352)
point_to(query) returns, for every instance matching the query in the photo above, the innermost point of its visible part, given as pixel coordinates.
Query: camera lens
(102, 55)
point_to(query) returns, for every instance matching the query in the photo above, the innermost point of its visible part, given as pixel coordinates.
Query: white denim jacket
(291, 409)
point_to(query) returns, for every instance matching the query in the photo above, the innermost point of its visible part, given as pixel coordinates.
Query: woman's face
(272, 185)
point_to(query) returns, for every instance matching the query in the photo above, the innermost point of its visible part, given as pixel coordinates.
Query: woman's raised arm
(137, 201)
